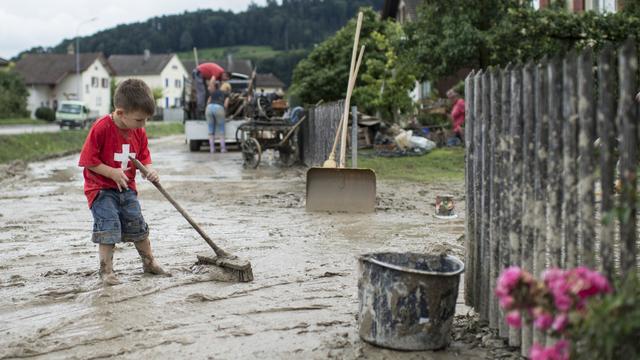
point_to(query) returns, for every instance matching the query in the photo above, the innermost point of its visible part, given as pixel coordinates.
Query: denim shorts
(117, 217)
(215, 119)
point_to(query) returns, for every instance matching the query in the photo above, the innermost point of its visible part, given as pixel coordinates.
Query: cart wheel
(289, 152)
(251, 152)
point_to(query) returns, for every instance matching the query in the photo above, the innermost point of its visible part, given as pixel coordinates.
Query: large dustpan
(332, 188)
(350, 190)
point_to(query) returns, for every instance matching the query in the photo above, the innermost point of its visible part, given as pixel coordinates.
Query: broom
(240, 269)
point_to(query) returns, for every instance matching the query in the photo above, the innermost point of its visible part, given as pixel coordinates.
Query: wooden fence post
(540, 184)
(470, 178)
(570, 144)
(494, 235)
(515, 231)
(505, 146)
(528, 201)
(554, 163)
(477, 191)
(586, 156)
(485, 241)
(606, 131)
(627, 109)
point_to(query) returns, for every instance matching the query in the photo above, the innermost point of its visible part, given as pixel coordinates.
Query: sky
(28, 23)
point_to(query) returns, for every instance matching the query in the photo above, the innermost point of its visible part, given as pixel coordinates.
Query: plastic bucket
(407, 300)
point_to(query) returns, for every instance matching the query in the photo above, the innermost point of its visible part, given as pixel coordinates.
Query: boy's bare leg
(149, 263)
(107, 275)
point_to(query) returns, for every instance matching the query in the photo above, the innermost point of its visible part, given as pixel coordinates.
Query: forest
(283, 25)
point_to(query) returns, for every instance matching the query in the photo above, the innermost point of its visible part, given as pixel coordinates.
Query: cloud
(28, 23)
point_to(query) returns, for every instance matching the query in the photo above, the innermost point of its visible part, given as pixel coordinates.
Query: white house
(159, 71)
(51, 78)
(268, 83)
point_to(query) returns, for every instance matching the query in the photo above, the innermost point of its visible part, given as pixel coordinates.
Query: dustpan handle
(182, 211)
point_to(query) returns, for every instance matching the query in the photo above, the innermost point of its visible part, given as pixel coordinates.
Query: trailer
(197, 132)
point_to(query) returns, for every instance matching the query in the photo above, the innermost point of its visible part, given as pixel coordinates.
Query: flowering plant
(554, 304)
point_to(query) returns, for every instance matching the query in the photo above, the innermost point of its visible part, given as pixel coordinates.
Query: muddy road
(302, 303)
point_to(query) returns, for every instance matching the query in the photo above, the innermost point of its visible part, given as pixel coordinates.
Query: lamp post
(79, 80)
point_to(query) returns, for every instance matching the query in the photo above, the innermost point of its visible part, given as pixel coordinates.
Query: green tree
(382, 85)
(13, 95)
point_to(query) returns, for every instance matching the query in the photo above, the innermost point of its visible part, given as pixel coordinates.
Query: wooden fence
(318, 132)
(539, 187)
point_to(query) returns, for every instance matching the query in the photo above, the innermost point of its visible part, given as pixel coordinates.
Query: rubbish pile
(395, 142)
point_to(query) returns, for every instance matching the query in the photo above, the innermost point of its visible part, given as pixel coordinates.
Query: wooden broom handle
(145, 172)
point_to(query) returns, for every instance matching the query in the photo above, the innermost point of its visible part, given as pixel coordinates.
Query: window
(166, 83)
(174, 67)
(178, 83)
(177, 102)
(105, 83)
(98, 101)
(94, 81)
(86, 88)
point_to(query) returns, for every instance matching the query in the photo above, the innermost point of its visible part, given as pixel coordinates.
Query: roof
(128, 65)
(268, 81)
(4, 62)
(241, 66)
(51, 69)
(390, 8)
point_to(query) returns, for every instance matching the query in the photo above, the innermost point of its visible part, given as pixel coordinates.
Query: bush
(611, 328)
(13, 95)
(45, 113)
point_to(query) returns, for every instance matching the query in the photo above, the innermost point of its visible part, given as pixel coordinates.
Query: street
(302, 303)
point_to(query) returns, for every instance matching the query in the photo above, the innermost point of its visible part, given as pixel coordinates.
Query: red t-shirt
(107, 144)
(457, 115)
(209, 70)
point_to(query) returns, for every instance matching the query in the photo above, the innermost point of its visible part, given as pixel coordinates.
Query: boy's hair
(134, 95)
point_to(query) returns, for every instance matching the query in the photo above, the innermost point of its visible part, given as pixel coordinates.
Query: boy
(109, 177)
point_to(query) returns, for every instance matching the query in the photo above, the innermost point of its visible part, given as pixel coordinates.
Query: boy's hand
(120, 178)
(152, 174)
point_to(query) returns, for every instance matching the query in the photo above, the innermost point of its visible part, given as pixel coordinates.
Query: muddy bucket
(407, 300)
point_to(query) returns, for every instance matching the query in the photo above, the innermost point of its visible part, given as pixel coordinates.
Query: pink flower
(506, 301)
(559, 351)
(560, 322)
(509, 278)
(542, 319)
(513, 319)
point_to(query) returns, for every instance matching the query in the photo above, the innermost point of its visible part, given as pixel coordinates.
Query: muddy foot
(109, 279)
(154, 269)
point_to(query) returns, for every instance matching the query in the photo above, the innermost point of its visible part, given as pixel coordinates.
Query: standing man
(201, 76)
(457, 113)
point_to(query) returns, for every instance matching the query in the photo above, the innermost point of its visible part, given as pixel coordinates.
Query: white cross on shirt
(123, 157)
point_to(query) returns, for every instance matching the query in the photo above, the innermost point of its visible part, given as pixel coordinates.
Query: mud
(301, 304)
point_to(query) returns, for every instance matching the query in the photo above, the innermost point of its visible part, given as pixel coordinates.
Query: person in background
(202, 74)
(457, 114)
(217, 104)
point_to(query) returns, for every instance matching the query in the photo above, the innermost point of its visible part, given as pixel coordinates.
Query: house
(4, 63)
(403, 11)
(160, 71)
(51, 78)
(584, 5)
(268, 83)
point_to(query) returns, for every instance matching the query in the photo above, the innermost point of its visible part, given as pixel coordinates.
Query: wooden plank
(528, 200)
(586, 156)
(570, 147)
(516, 153)
(494, 255)
(606, 111)
(469, 188)
(477, 186)
(485, 291)
(627, 115)
(504, 169)
(541, 90)
(554, 163)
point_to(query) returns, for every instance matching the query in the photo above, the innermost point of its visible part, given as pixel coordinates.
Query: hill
(290, 24)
